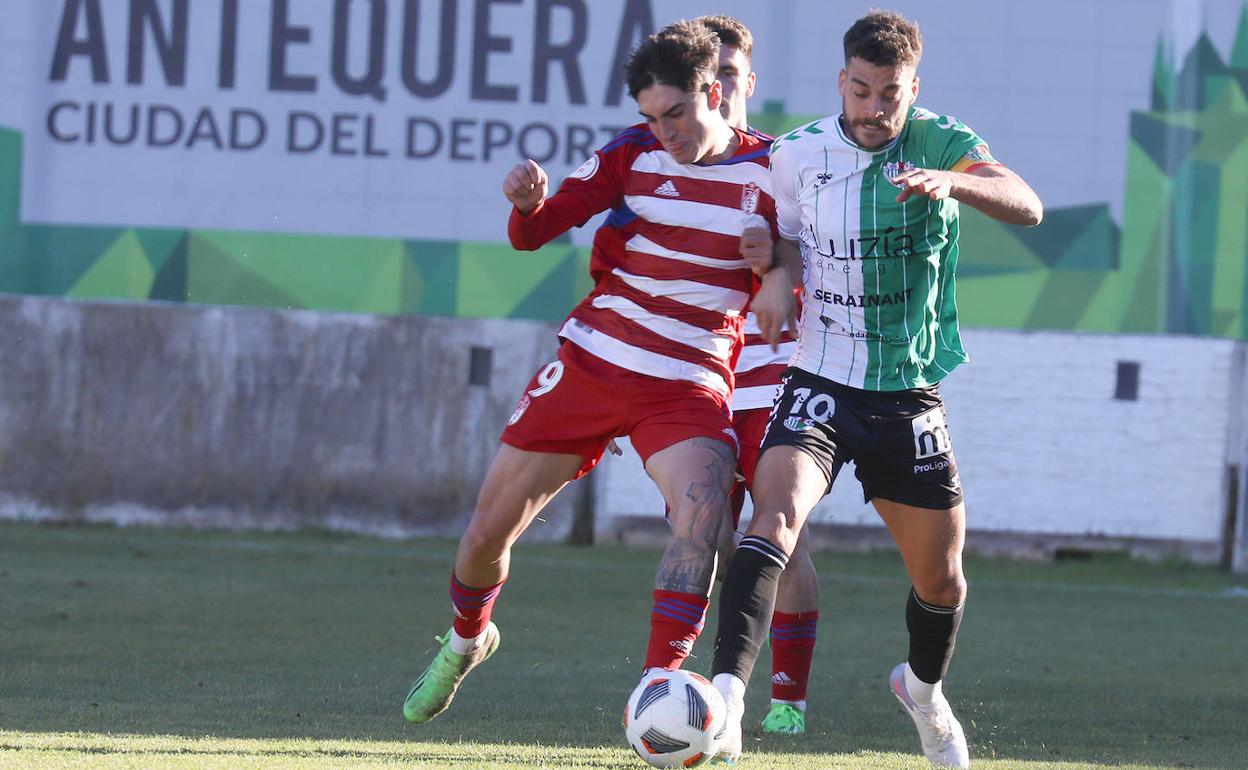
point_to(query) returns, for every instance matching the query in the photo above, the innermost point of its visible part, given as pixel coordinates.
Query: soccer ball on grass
(675, 719)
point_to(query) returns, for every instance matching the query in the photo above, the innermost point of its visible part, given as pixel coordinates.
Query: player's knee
(705, 519)
(943, 590)
(484, 542)
(801, 549)
(800, 563)
(775, 527)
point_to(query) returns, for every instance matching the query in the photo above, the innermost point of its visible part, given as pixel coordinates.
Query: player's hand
(936, 185)
(526, 186)
(758, 249)
(775, 306)
(614, 448)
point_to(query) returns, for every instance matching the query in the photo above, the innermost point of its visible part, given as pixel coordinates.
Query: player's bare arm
(526, 186)
(991, 189)
(774, 304)
(789, 256)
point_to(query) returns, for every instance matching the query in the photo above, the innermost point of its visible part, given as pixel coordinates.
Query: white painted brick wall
(1043, 447)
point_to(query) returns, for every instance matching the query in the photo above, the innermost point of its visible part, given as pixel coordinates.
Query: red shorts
(750, 425)
(579, 402)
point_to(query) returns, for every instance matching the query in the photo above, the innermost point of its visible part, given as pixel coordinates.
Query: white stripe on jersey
(840, 340)
(836, 347)
(639, 360)
(644, 245)
(659, 162)
(754, 356)
(755, 397)
(705, 296)
(717, 345)
(674, 212)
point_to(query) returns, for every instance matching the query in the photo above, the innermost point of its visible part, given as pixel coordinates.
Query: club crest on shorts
(749, 198)
(894, 169)
(521, 408)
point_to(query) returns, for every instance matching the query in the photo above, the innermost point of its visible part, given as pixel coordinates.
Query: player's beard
(856, 125)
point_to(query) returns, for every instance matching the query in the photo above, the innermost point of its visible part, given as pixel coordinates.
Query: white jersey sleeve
(784, 187)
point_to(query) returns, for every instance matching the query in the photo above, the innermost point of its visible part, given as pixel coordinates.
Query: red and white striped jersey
(759, 368)
(669, 280)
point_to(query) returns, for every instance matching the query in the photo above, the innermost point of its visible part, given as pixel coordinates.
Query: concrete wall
(237, 417)
(1045, 449)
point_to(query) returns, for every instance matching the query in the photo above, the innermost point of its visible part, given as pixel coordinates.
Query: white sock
(800, 705)
(731, 687)
(464, 646)
(921, 692)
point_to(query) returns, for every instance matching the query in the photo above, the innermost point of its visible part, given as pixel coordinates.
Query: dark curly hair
(683, 54)
(885, 39)
(731, 32)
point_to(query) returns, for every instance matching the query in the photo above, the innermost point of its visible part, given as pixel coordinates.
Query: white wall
(1043, 446)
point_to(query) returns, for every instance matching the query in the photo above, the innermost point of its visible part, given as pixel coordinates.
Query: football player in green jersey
(868, 212)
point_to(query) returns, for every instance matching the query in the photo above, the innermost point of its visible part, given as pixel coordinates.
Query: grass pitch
(175, 649)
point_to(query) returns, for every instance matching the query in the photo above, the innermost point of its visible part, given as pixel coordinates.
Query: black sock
(745, 605)
(933, 631)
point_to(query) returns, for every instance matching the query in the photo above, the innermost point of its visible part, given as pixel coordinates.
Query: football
(675, 719)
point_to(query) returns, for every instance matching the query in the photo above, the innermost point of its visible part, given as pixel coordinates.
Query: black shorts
(898, 440)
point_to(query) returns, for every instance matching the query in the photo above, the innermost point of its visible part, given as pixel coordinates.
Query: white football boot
(944, 743)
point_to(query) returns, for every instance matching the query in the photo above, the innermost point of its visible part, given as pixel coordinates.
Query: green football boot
(785, 718)
(434, 690)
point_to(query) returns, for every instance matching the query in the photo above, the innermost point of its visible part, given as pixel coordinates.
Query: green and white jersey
(878, 308)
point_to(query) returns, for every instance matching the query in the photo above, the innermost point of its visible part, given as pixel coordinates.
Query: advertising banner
(348, 154)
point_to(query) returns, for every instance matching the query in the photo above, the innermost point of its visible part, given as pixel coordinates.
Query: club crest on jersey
(749, 198)
(894, 169)
(587, 169)
(798, 424)
(521, 408)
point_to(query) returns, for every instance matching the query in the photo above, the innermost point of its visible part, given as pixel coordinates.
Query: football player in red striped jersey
(648, 354)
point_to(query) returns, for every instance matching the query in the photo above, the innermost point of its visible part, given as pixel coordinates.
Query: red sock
(792, 647)
(473, 607)
(675, 622)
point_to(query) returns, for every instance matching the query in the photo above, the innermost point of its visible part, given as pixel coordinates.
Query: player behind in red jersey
(758, 372)
(648, 354)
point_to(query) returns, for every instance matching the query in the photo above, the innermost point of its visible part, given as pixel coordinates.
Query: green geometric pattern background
(351, 274)
(1176, 265)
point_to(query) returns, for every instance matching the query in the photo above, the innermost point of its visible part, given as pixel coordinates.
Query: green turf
(177, 649)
